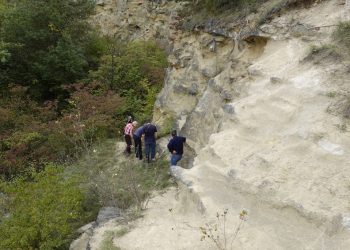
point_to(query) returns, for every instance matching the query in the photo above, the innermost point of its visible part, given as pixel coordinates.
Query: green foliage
(213, 5)
(121, 232)
(133, 182)
(44, 209)
(107, 243)
(318, 54)
(167, 125)
(120, 181)
(48, 43)
(136, 71)
(342, 35)
(33, 133)
(219, 6)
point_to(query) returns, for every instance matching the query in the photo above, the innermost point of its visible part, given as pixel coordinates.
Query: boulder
(107, 213)
(229, 108)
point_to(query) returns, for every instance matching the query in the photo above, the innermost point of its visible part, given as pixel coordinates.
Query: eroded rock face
(263, 112)
(267, 135)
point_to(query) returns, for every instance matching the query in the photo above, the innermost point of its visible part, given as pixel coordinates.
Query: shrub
(167, 125)
(44, 209)
(318, 54)
(33, 133)
(342, 35)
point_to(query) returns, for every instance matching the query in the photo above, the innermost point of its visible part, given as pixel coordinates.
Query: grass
(107, 243)
(318, 54)
(120, 181)
(332, 94)
(346, 112)
(121, 232)
(196, 13)
(342, 35)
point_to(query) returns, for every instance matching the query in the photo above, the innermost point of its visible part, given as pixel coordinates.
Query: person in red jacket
(128, 133)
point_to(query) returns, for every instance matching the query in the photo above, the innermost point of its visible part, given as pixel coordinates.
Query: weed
(167, 125)
(317, 54)
(107, 243)
(332, 94)
(342, 35)
(119, 181)
(347, 109)
(218, 233)
(121, 232)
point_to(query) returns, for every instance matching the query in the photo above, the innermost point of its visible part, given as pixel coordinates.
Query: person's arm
(170, 146)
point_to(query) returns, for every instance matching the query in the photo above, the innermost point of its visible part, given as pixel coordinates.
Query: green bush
(44, 210)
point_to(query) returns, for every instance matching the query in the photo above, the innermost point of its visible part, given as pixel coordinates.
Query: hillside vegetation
(63, 88)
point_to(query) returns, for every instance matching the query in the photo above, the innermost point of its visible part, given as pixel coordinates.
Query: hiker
(128, 132)
(138, 142)
(176, 147)
(150, 132)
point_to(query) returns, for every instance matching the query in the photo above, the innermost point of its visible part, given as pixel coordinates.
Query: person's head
(129, 119)
(148, 122)
(134, 123)
(173, 133)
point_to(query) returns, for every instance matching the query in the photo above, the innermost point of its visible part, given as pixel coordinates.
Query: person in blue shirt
(138, 142)
(150, 132)
(176, 147)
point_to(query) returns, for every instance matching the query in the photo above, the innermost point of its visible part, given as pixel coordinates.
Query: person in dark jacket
(138, 142)
(150, 132)
(176, 147)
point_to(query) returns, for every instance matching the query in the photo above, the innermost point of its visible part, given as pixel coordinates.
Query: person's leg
(136, 142)
(128, 143)
(174, 159)
(147, 151)
(153, 150)
(140, 149)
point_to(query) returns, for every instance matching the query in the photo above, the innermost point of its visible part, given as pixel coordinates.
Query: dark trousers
(138, 147)
(150, 150)
(128, 143)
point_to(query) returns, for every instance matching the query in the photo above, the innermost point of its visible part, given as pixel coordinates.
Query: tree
(49, 43)
(136, 71)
